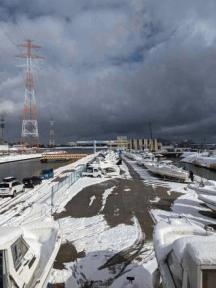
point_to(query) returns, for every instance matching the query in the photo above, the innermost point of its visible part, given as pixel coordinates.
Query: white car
(92, 172)
(11, 188)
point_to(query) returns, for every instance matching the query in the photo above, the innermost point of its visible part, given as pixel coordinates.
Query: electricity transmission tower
(30, 134)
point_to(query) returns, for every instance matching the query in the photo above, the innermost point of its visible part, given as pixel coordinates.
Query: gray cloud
(112, 66)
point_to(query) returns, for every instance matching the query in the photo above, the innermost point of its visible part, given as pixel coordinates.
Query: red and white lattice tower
(30, 134)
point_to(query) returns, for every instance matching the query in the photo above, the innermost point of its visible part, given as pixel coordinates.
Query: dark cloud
(112, 66)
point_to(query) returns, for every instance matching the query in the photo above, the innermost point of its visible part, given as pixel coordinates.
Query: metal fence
(67, 181)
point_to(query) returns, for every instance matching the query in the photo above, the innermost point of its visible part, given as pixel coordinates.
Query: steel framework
(30, 133)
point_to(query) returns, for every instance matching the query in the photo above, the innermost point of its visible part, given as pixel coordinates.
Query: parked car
(30, 182)
(11, 188)
(92, 172)
(36, 180)
(46, 174)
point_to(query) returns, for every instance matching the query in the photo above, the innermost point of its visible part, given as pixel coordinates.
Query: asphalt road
(129, 198)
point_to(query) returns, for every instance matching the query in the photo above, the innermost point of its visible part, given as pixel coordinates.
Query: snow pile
(187, 206)
(88, 233)
(19, 157)
(209, 200)
(124, 169)
(92, 200)
(201, 160)
(205, 187)
(106, 194)
(187, 153)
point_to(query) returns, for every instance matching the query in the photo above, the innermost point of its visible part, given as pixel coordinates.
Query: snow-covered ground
(103, 244)
(187, 205)
(91, 235)
(18, 157)
(109, 254)
(100, 243)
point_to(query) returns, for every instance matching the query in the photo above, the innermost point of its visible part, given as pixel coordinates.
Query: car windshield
(4, 185)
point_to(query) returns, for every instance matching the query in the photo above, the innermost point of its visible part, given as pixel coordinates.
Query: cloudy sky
(111, 66)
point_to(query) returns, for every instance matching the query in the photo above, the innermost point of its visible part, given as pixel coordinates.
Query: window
(110, 170)
(16, 183)
(19, 249)
(4, 185)
(209, 277)
(175, 269)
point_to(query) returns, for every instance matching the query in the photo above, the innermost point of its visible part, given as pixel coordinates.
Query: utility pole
(51, 134)
(95, 146)
(2, 126)
(29, 134)
(150, 130)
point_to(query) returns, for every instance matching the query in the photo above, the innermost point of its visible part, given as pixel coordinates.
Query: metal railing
(69, 180)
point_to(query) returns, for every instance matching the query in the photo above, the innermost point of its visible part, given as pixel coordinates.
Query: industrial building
(142, 144)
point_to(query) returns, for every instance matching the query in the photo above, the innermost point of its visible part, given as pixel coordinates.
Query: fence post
(52, 201)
